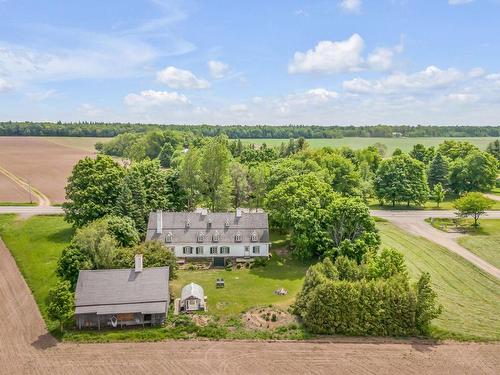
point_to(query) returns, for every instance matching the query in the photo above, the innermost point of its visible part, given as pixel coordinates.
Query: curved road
(413, 222)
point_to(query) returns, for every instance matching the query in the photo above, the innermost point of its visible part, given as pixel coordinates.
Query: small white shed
(192, 298)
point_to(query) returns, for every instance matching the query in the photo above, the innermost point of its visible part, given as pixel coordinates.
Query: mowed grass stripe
(470, 297)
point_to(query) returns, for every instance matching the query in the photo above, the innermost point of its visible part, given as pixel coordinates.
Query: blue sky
(339, 62)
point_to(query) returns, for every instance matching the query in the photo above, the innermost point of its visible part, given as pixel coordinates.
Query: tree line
(101, 129)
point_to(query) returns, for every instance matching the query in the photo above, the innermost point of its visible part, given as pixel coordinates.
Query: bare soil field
(45, 164)
(12, 192)
(27, 348)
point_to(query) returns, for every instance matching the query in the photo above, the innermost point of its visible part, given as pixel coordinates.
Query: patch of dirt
(267, 318)
(12, 192)
(201, 320)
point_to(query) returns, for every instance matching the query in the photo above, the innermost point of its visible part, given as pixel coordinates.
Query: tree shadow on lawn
(62, 236)
(285, 268)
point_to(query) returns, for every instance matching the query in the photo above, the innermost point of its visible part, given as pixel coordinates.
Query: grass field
(405, 144)
(470, 297)
(36, 244)
(486, 242)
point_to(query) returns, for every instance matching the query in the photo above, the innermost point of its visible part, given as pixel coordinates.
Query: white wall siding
(235, 250)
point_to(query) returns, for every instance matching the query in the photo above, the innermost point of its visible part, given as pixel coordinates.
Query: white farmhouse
(216, 235)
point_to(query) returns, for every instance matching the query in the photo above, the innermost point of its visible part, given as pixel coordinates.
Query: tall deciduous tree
(477, 172)
(158, 196)
(215, 178)
(239, 178)
(132, 200)
(92, 190)
(189, 177)
(401, 179)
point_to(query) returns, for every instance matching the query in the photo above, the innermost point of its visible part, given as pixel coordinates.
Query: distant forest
(94, 129)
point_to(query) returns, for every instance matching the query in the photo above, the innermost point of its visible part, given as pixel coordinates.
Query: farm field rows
(470, 297)
(80, 143)
(45, 164)
(405, 144)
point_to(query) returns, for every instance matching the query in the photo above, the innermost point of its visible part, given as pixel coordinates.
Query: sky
(338, 62)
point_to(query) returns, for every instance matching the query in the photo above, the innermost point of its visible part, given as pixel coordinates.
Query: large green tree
(401, 179)
(215, 178)
(190, 177)
(299, 205)
(132, 200)
(477, 172)
(239, 178)
(92, 190)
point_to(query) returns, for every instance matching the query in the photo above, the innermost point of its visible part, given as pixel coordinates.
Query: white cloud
(218, 69)
(462, 97)
(181, 79)
(459, 2)
(150, 98)
(429, 78)
(238, 108)
(343, 56)
(89, 110)
(5, 86)
(330, 57)
(351, 6)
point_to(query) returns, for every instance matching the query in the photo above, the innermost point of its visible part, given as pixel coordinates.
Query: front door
(219, 262)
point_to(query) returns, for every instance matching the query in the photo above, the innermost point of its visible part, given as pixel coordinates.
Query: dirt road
(493, 197)
(26, 348)
(413, 222)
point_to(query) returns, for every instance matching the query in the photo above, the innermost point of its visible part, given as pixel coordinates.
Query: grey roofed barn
(122, 291)
(185, 227)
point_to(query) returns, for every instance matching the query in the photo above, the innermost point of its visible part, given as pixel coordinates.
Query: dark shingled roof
(175, 223)
(122, 290)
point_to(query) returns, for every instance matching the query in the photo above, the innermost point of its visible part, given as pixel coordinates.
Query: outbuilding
(192, 298)
(122, 297)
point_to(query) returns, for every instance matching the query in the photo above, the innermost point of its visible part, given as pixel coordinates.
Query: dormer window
(253, 237)
(188, 223)
(168, 237)
(201, 237)
(216, 237)
(237, 237)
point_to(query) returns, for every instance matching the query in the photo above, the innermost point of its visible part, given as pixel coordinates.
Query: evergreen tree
(438, 171)
(494, 149)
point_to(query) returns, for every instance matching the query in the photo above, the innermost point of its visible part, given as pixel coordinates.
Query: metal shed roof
(192, 290)
(122, 290)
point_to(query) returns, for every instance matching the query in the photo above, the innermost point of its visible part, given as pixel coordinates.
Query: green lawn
(36, 244)
(471, 298)
(405, 144)
(486, 242)
(246, 288)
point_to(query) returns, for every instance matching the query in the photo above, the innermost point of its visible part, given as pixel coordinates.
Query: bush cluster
(372, 298)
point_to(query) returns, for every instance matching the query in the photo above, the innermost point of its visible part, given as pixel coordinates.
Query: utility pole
(29, 189)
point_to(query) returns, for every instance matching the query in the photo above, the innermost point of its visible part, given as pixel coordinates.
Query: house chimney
(138, 263)
(238, 212)
(159, 221)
